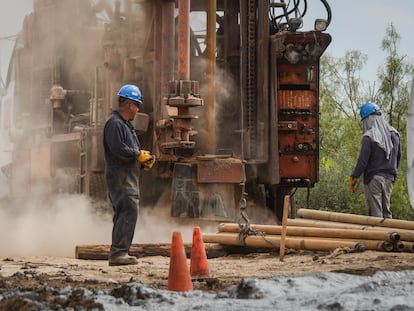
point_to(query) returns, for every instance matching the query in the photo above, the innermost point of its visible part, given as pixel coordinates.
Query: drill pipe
(398, 246)
(299, 242)
(272, 241)
(316, 232)
(184, 39)
(407, 247)
(406, 235)
(356, 219)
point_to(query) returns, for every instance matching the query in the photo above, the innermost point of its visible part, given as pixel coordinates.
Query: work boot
(122, 260)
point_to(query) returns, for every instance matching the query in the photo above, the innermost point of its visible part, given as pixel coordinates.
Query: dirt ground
(35, 272)
(62, 283)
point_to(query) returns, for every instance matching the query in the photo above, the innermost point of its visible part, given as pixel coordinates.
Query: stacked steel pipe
(322, 231)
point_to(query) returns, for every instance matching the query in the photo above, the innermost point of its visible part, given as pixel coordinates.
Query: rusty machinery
(231, 107)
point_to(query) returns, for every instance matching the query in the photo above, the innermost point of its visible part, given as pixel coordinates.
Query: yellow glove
(146, 158)
(352, 183)
(149, 163)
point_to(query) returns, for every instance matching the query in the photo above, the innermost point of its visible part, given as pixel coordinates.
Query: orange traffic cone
(179, 278)
(198, 265)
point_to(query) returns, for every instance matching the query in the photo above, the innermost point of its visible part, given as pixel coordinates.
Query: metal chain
(244, 222)
(243, 206)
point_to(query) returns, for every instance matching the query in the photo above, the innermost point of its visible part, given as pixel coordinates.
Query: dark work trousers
(378, 195)
(123, 192)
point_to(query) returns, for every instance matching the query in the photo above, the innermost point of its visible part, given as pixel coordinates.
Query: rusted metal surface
(210, 98)
(219, 171)
(296, 100)
(183, 96)
(183, 93)
(297, 105)
(184, 39)
(262, 148)
(167, 43)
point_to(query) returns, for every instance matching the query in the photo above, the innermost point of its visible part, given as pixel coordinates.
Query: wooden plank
(101, 252)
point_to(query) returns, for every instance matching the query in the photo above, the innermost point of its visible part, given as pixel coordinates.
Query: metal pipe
(302, 222)
(398, 246)
(316, 232)
(406, 235)
(356, 219)
(407, 247)
(167, 51)
(184, 39)
(313, 244)
(211, 75)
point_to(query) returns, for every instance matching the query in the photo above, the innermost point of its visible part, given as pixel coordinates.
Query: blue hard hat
(367, 109)
(131, 92)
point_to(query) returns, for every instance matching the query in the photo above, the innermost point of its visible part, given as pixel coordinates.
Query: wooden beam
(101, 251)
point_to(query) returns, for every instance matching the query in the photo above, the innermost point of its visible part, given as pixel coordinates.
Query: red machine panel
(298, 115)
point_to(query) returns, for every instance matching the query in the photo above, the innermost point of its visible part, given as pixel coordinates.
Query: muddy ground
(31, 283)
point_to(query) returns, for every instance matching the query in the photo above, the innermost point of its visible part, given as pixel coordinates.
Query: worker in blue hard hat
(123, 160)
(378, 160)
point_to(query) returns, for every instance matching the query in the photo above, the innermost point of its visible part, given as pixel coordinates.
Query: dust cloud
(54, 227)
(228, 112)
(51, 228)
(48, 225)
(225, 116)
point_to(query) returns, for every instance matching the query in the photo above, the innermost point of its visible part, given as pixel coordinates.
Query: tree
(341, 82)
(395, 78)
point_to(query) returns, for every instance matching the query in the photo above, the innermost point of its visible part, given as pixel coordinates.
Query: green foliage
(395, 80)
(341, 93)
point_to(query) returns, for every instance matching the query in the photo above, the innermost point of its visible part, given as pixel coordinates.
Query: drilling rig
(230, 91)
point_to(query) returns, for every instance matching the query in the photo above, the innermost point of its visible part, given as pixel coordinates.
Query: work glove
(352, 183)
(146, 158)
